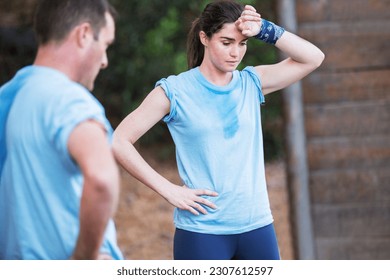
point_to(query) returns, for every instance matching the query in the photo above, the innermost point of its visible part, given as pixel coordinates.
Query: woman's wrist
(269, 32)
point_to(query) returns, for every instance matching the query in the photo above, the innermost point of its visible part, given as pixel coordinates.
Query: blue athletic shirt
(40, 184)
(218, 137)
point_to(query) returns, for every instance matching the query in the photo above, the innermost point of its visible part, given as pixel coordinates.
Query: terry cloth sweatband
(270, 32)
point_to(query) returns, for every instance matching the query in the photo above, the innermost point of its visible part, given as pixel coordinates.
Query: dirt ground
(144, 219)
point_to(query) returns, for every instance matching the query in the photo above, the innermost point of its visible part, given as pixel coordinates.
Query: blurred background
(326, 140)
(150, 44)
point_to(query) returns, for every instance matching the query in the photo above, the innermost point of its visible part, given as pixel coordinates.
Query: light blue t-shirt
(218, 138)
(40, 184)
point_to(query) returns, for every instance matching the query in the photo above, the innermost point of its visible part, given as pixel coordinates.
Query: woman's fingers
(250, 21)
(250, 13)
(204, 201)
(195, 203)
(250, 8)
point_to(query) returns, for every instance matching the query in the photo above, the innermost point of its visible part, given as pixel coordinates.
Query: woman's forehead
(230, 30)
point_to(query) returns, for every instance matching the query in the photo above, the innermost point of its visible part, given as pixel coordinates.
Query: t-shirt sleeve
(170, 93)
(73, 108)
(254, 77)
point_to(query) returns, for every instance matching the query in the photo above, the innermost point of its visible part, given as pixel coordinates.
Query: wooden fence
(346, 107)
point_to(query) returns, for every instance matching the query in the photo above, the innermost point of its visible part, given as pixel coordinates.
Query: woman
(213, 114)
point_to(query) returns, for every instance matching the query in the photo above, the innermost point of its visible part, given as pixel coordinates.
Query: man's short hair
(54, 19)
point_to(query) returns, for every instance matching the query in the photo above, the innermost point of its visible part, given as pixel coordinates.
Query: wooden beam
(297, 169)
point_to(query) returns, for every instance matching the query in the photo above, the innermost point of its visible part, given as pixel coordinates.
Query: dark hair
(54, 19)
(212, 19)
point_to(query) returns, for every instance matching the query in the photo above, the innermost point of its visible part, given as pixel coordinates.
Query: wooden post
(297, 169)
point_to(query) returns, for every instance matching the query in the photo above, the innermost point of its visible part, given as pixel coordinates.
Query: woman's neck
(215, 76)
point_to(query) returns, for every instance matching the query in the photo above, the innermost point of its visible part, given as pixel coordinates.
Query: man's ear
(203, 38)
(84, 34)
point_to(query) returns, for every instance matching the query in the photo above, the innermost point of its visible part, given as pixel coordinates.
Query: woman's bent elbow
(319, 58)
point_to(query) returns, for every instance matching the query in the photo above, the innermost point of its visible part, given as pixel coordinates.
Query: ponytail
(195, 48)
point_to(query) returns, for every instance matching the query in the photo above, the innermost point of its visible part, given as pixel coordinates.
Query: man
(59, 182)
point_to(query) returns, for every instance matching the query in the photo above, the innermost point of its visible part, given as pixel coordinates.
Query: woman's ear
(203, 38)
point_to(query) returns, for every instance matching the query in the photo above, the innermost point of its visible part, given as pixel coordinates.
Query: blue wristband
(270, 32)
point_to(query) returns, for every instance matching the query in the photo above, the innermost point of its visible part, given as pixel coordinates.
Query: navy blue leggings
(259, 244)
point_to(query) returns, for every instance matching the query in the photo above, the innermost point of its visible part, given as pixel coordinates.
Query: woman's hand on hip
(191, 200)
